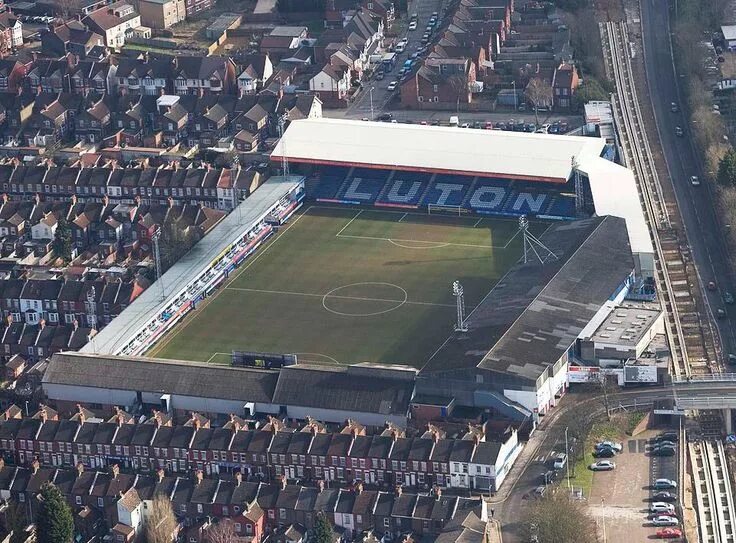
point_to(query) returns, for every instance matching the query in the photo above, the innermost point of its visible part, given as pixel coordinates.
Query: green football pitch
(342, 285)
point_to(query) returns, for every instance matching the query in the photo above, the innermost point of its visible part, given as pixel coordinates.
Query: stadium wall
(339, 416)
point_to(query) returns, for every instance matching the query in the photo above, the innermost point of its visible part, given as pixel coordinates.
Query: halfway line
(359, 298)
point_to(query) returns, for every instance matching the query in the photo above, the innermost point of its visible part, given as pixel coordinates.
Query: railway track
(713, 493)
(690, 343)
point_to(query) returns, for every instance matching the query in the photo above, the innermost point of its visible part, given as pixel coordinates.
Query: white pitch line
(213, 356)
(349, 223)
(403, 217)
(478, 222)
(391, 240)
(358, 298)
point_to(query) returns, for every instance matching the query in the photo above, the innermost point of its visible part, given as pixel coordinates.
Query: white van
(661, 507)
(454, 120)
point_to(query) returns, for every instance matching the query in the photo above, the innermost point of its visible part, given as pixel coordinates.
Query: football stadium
(359, 253)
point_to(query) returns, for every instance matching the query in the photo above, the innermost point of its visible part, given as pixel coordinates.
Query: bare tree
(558, 518)
(221, 532)
(161, 524)
(539, 93)
(459, 84)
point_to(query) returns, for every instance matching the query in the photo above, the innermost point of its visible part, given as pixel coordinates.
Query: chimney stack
(42, 414)
(199, 475)
(42, 324)
(35, 465)
(283, 481)
(115, 469)
(238, 478)
(80, 469)
(321, 484)
(359, 488)
(160, 474)
(196, 422)
(437, 492)
(398, 490)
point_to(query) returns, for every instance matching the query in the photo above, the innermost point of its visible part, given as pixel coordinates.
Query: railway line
(713, 494)
(691, 344)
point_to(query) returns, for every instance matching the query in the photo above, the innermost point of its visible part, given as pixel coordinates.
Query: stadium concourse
(382, 182)
(459, 170)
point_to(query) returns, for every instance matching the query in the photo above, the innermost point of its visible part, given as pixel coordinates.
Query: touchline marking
(349, 223)
(358, 298)
(403, 217)
(213, 356)
(169, 337)
(478, 222)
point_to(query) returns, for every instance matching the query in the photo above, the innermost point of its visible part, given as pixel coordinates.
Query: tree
(174, 241)
(459, 84)
(161, 525)
(54, 523)
(62, 244)
(727, 169)
(591, 90)
(221, 532)
(16, 523)
(557, 518)
(539, 93)
(322, 530)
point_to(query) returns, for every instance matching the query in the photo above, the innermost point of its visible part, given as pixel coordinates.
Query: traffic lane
(695, 206)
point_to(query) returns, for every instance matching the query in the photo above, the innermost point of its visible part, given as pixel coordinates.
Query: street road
(695, 203)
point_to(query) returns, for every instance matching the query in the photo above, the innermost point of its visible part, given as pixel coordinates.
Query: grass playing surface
(340, 285)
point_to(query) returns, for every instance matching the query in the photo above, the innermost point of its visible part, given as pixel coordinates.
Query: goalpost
(436, 209)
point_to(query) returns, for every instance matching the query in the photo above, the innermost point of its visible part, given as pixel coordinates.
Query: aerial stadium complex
(398, 248)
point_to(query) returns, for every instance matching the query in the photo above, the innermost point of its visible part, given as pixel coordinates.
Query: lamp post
(516, 106)
(370, 94)
(567, 464)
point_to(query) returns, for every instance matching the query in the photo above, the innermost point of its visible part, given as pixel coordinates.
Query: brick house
(564, 84)
(440, 83)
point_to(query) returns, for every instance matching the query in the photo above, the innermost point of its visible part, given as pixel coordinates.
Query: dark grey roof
(330, 387)
(533, 315)
(486, 453)
(161, 376)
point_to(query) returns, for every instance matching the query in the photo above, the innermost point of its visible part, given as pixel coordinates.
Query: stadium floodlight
(457, 291)
(532, 244)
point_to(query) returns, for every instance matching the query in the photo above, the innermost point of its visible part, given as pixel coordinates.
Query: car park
(661, 507)
(603, 465)
(678, 131)
(664, 484)
(664, 496)
(669, 533)
(664, 520)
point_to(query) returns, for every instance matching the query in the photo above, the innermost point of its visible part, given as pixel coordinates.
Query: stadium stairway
(426, 189)
(386, 187)
(469, 194)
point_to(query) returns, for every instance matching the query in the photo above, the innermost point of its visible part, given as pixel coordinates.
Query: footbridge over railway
(716, 391)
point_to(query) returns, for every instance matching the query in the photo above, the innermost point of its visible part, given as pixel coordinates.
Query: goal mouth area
(456, 211)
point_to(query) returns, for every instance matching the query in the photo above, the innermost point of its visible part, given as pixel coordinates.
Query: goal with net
(436, 209)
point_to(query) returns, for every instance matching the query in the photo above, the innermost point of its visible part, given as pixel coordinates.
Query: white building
(45, 229)
(113, 22)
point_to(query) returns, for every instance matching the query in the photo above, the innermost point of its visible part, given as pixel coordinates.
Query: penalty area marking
(320, 355)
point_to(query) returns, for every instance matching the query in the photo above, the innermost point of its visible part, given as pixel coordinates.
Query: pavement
(704, 232)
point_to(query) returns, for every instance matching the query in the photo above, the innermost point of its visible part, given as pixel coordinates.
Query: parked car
(489, 125)
(721, 313)
(392, 86)
(664, 484)
(435, 122)
(380, 76)
(477, 124)
(678, 131)
(694, 181)
(560, 460)
(668, 436)
(664, 520)
(663, 451)
(554, 128)
(603, 465)
(674, 108)
(669, 533)
(605, 452)
(661, 507)
(728, 298)
(664, 497)
(711, 286)
(385, 117)
(413, 25)
(618, 447)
